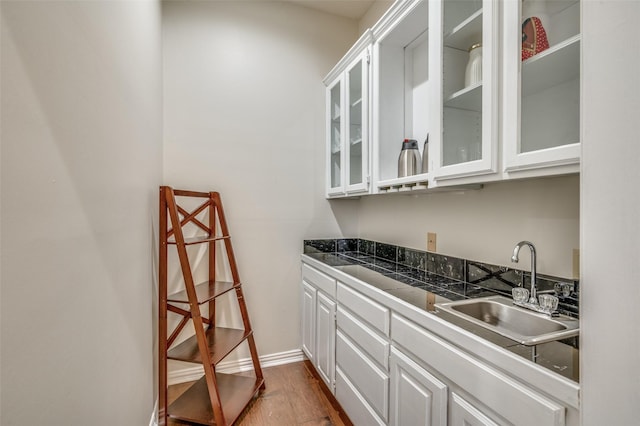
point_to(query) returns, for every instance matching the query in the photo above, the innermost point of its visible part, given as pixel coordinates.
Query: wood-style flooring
(294, 395)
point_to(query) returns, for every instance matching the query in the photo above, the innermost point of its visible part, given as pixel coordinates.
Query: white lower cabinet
(353, 403)
(326, 338)
(417, 397)
(386, 369)
(368, 380)
(465, 414)
(319, 322)
(496, 391)
(309, 296)
(362, 357)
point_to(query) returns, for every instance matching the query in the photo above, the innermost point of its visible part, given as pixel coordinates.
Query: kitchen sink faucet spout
(534, 297)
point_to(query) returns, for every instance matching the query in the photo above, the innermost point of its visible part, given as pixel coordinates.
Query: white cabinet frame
(488, 90)
(561, 62)
(358, 55)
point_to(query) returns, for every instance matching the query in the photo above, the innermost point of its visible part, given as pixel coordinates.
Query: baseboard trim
(154, 415)
(191, 374)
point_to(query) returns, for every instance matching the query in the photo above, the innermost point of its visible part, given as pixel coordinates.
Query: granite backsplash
(403, 260)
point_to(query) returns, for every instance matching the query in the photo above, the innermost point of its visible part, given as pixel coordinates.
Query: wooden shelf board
(200, 240)
(235, 394)
(205, 292)
(221, 342)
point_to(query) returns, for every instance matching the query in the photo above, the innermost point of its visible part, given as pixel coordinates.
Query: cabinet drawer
(370, 311)
(463, 413)
(512, 400)
(358, 410)
(319, 280)
(367, 379)
(373, 345)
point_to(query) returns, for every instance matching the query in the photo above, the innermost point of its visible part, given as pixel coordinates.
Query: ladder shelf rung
(184, 193)
(235, 393)
(222, 341)
(205, 292)
(200, 240)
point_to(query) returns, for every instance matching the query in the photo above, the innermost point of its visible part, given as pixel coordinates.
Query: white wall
(610, 230)
(375, 12)
(80, 163)
(244, 115)
(485, 224)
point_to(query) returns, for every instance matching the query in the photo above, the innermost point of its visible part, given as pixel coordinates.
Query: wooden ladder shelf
(215, 399)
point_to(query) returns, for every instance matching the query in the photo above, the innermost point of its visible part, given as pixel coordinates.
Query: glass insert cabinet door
(335, 132)
(542, 77)
(357, 137)
(348, 128)
(465, 60)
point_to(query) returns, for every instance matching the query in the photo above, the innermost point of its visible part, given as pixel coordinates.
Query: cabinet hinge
(368, 58)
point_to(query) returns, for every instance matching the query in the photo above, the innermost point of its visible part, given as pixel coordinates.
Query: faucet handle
(548, 303)
(520, 294)
(564, 289)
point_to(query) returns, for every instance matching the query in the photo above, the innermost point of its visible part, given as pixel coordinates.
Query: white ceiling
(354, 9)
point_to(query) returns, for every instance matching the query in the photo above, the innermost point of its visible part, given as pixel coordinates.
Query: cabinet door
(465, 137)
(308, 320)
(326, 339)
(368, 380)
(465, 414)
(356, 140)
(508, 398)
(542, 86)
(417, 397)
(335, 134)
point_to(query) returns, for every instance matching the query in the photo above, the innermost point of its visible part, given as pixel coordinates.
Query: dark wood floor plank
(294, 396)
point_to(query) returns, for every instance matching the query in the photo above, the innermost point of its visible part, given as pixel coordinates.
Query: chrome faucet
(534, 297)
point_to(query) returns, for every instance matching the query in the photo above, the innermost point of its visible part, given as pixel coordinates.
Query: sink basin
(500, 315)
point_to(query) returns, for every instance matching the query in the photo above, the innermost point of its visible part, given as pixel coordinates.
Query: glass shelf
(554, 66)
(466, 33)
(469, 98)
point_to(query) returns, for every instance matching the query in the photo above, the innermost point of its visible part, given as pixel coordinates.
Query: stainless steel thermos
(409, 162)
(425, 156)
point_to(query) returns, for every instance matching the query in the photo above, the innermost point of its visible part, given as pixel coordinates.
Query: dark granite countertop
(422, 289)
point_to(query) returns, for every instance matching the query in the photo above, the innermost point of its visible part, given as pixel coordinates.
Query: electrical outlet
(431, 242)
(431, 302)
(576, 263)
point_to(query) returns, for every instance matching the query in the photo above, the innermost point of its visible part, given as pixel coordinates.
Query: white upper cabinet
(473, 77)
(348, 121)
(400, 91)
(541, 87)
(464, 62)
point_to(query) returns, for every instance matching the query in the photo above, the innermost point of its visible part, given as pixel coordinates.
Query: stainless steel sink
(500, 315)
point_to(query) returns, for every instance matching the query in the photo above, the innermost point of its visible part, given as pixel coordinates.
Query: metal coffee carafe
(425, 156)
(409, 162)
